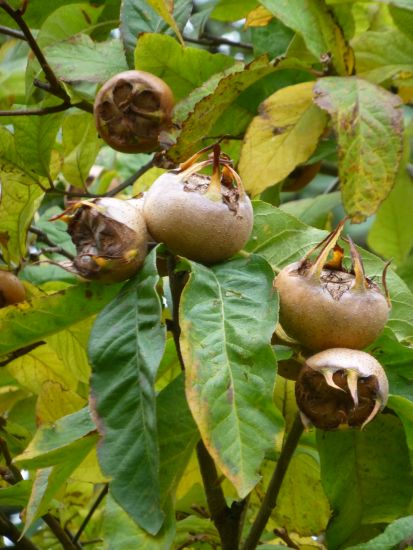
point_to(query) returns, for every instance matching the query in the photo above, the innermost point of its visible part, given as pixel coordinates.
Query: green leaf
(382, 55)
(122, 533)
(368, 122)
(48, 481)
(35, 137)
(364, 484)
(17, 495)
(313, 211)
(302, 506)
(232, 10)
(230, 369)
(82, 59)
(32, 321)
(52, 445)
(222, 90)
(282, 239)
(164, 8)
(183, 69)
(80, 147)
(20, 198)
(128, 334)
(403, 18)
(285, 134)
(397, 532)
(391, 234)
(319, 30)
(178, 436)
(137, 17)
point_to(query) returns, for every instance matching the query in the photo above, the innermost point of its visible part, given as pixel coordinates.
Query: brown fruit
(131, 109)
(341, 387)
(12, 290)
(323, 305)
(204, 218)
(110, 237)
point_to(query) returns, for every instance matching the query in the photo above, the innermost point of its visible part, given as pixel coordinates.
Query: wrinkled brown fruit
(131, 109)
(324, 305)
(110, 237)
(12, 290)
(341, 388)
(203, 218)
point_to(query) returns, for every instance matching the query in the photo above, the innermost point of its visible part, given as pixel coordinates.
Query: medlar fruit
(323, 305)
(204, 218)
(341, 387)
(12, 290)
(110, 237)
(131, 109)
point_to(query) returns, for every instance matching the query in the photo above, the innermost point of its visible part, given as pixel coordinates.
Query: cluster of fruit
(336, 312)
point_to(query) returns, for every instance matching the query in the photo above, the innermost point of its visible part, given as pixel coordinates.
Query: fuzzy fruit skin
(129, 233)
(328, 407)
(312, 316)
(12, 290)
(117, 120)
(194, 226)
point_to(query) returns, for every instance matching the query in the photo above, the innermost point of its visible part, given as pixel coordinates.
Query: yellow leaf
(260, 17)
(56, 401)
(89, 471)
(285, 134)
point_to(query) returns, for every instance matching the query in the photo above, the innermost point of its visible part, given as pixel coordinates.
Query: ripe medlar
(131, 109)
(12, 290)
(110, 237)
(204, 218)
(323, 305)
(341, 387)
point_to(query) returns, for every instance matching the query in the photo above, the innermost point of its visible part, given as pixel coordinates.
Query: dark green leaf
(230, 368)
(364, 484)
(399, 531)
(128, 336)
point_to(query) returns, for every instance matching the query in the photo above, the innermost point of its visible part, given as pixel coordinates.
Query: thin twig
(131, 180)
(64, 538)
(99, 499)
(46, 239)
(12, 32)
(7, 529)
(210, 40)
(38, 112)
(19, 352)
(270, 498)
(82, 105)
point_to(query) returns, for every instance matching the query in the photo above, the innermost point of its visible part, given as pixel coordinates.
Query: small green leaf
(35, 137)
(17, 495)
(32, 321)
(164, 8)
(230, 369)
(391, 234)
(382, 55)
(125, 349)
(52, 445)
(318, 28)
(137, 17)
(82, 59)
(80, 147)
(368, 122)
(122, 533)
(183, 69)
(364, 484)
(285, 134)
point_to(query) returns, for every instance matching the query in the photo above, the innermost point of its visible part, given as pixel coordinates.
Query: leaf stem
(99, 499)
(12, 32)
(210, 40)
(38, 112)
(270, 498)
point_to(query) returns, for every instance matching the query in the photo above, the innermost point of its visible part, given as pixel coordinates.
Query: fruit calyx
(110, 237)
(340, 388)
(325, 305)
(131, 110)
